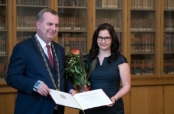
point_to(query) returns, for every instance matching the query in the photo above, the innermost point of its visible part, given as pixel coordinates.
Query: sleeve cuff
(37, 85)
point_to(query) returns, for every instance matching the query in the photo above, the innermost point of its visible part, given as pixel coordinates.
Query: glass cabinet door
(168, 38)
(110, 11)
(26, 17)
(73, 24)
(3, 39)
(143, 31)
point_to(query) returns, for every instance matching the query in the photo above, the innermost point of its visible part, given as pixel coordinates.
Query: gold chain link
(46, 64)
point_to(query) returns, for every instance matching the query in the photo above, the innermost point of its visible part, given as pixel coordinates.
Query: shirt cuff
(37, 85)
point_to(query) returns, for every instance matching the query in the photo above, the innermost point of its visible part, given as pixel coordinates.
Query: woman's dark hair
(94, 51)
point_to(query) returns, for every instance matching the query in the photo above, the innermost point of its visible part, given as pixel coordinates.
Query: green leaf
(88, 83)
(72, 70)
(77, 70)
(76, 81)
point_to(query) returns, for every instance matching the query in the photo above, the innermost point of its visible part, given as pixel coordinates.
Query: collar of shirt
(43, 44)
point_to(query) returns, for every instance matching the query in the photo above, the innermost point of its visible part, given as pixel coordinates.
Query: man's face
(47, 28)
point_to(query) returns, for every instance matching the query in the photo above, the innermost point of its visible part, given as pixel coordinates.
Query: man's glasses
(100, 39)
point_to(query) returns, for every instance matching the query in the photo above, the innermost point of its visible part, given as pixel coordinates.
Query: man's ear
(38, 24)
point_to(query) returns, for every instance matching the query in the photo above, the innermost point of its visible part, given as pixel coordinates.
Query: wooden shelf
(71, 7)
(31, 6)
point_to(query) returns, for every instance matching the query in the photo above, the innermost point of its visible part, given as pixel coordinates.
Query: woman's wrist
(116, 98)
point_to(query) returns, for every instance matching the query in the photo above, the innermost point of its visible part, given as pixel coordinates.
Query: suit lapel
(38, 51)
(35, 45)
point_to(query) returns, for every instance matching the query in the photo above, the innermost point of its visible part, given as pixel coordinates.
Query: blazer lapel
(37, 49)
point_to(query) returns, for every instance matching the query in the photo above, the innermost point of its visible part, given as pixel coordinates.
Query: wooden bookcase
(167, 29)
(25, 17)
(145, 29)
(3, 38)
(113, 12)
(73, 24)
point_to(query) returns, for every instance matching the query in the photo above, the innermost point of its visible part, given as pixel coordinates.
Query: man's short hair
(40, 14)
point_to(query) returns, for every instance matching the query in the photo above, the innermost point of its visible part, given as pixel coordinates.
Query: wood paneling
(126, 100)
(169, 99)
(147, 100)
(71, 111)
(7, 101)
(140, 100)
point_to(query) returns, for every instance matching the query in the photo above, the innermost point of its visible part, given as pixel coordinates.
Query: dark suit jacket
(25, 68)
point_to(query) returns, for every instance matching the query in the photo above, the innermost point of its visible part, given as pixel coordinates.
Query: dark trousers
(55, 112)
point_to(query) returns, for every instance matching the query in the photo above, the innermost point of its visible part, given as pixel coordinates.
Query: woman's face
(104, 40)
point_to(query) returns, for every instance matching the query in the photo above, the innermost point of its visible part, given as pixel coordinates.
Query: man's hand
(43, 89)
(72, 92)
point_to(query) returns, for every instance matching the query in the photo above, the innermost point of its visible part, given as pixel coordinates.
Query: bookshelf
(73, 24)
(168, 37)
(143, 38)
(145, 29)
(26, 11)
(3, 38)
(111, 11)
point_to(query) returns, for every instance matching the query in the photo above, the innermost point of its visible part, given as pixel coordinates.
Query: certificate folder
(82, 101)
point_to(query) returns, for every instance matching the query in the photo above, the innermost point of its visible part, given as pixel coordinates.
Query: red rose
(75, 52)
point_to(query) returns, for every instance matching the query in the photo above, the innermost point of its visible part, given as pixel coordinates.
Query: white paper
(92, 99)
(64, 99)
(85, 100)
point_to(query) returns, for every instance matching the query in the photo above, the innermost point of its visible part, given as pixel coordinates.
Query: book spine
(2, 71)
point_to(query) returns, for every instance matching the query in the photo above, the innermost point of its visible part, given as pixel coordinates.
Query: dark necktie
(49, 55)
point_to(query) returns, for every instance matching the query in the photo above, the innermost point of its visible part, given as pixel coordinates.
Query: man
(36, 65)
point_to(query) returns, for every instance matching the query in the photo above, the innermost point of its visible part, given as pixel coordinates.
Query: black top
(107, 77)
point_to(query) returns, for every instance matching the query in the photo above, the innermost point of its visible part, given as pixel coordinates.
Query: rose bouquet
(76, 69)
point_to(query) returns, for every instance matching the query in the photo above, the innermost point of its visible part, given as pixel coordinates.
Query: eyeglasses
(100, 39)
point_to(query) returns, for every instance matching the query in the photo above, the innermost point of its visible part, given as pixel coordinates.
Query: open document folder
(83, 101)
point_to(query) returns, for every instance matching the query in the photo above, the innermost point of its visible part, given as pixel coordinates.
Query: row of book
(2, 2)
(142, 67)
(32, 2)
(72, 23)
(169, 24)
(26, 23)
(108, 3)
(77, 3)
(72, 40)
(142, 42)
(2, 22)
(169, 66)
(79, 23)
(168, 42)
(67, 40)
(115, 22)
(3, 45)
(2, 71)
(142, 24)
(143, 4)
(169, 4)
(66, 23)
(22, 38)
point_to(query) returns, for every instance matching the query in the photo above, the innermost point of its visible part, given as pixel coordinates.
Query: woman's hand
(113, 99)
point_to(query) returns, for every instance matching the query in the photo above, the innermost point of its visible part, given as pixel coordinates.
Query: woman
(111, 67)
